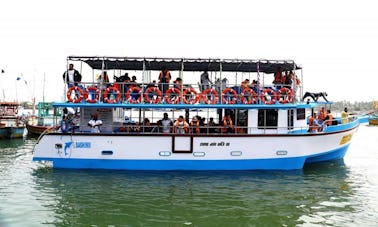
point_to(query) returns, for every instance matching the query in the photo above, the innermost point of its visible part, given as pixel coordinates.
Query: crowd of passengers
(123, 83)
(318, 121)
(181, 126)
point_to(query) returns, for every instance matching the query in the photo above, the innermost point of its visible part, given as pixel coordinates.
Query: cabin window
(267, 119)
(301, 114)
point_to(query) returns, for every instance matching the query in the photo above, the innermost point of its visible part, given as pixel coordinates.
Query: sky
(335, 41)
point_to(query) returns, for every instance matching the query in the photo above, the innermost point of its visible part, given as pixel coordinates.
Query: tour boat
(11, 125)
(258, 126)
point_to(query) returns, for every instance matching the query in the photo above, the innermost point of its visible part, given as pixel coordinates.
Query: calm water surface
(343, 193)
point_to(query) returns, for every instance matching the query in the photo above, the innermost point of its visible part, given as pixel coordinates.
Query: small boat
(373, 119)
(11, 124)
(219, 126)
(44, 120)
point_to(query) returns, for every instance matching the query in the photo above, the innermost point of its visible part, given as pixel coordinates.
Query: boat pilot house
(192, 114)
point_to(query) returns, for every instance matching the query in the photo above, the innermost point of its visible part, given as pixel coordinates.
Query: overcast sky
(336, 42)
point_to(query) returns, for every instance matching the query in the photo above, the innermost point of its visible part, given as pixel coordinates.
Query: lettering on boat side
(346, 138)
(214, 144)
(82, 145)
(281, 152)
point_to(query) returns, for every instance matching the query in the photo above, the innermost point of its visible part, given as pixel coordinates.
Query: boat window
(301, 114)
(267, 119)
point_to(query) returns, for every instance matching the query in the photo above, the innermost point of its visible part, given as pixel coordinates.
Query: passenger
(211, 126)
(67, 124)
(133, 82)
(95, 123)
(227, 124)
(181, 126)
(71, 76)
(146, 125)
(205, 81)
(178, 83)
(328, 119)
(103, 80)
(245, 84)
(195, 126)
(288, 80)
(345, 116)
(277, 78)
(322, 115)
(166, 124)
(164, 79)
(314, 126)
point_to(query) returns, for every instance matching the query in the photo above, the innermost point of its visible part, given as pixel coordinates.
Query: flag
(2, 71)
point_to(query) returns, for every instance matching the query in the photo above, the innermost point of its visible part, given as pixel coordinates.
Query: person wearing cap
(195, 126)
(95, 123)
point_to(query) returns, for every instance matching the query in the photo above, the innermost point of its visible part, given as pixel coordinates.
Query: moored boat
(257, 126)
(44, 120)
(11, 124)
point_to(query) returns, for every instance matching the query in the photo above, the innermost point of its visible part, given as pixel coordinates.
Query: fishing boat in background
(373, 116)
(36, 125)
(219, 126)
(11, 124)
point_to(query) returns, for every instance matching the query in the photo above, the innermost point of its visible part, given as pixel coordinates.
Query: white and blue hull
(185, 152)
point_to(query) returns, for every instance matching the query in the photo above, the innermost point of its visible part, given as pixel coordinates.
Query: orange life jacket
(277, 77)
(167, 76)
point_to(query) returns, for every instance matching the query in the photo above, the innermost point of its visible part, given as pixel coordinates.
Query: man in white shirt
(72, 76)
(95, 124)
(166, 124)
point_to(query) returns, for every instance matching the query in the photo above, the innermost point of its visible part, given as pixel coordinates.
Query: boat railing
(174, 93)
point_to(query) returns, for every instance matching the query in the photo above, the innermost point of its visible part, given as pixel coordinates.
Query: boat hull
(12, 132)
(191, 152)
(373, 121)
(37, 129)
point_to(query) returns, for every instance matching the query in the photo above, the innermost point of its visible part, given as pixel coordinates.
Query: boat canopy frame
(186, 64)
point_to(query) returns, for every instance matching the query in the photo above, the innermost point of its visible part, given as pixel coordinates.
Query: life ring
(231, 95)
(271, 93)
(248, 96)
(112, 90)
(76, 98)
(286, 94)
(169, 95)
(187, 96)
(131, 93)
(88, 95)
(210, 96)
(153, 91)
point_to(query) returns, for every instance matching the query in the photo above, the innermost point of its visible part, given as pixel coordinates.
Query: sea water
(341, 193)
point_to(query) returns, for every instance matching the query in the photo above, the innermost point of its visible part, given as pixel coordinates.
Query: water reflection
(196, 198)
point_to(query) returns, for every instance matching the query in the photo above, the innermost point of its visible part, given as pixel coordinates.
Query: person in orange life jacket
(329, 118)
(164, 79)
(195, 125)
(71, 76)
(313, 124)
(322, 115)
(227, 124)
(181, 126)
(277, 81)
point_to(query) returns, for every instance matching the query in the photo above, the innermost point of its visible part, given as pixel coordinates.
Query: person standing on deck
(164, 79)
(71, 76)
(181, 126)
(166, 124)
(344, 116)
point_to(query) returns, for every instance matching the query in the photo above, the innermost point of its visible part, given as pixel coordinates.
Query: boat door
(182, 144)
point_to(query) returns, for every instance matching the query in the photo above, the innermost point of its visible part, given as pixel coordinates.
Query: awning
(186, 64)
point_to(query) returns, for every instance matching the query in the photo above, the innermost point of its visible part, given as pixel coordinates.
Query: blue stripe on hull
(328, 156)
(268, 164)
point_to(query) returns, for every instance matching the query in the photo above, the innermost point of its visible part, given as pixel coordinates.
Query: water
(343, 193)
